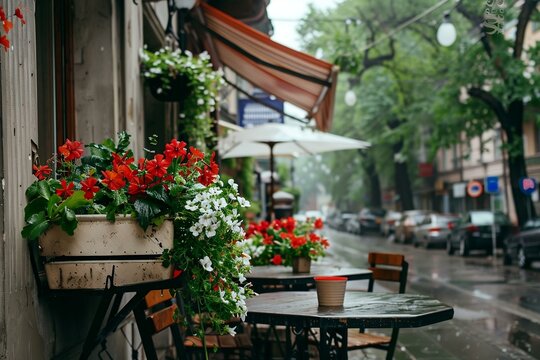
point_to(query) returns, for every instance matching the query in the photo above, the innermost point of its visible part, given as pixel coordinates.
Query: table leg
(333, 343)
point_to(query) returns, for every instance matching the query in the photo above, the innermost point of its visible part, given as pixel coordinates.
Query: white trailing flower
(222, 297)
(206, 263)
(230, 330)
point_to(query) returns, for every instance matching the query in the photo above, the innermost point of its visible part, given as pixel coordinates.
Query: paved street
(492, 302)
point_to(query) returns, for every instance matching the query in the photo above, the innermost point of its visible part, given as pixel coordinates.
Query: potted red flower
(286, 242)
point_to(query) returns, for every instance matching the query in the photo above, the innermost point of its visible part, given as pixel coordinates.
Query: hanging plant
(173, 75)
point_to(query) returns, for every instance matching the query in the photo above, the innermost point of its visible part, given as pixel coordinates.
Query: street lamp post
(181, 7)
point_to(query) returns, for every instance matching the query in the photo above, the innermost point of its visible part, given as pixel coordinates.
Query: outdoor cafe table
(300, 311)
(264, 278)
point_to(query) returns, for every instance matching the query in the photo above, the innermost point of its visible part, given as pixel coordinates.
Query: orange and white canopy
(290, 75)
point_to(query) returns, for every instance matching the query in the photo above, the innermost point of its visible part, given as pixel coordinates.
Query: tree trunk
(402, 180)
(513, 127)
(374, 182)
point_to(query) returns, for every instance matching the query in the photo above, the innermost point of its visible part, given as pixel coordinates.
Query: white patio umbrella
(271, 140)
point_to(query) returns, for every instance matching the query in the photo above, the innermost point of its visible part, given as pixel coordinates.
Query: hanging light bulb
(350, 97)
(446, 34)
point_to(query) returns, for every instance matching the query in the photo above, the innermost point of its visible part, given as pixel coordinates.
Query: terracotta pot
(84, 260)
(301, 265)
(179, 89)
(330, 290)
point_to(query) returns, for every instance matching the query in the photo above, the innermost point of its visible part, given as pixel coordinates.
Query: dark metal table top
(360, 310)
(283, 275)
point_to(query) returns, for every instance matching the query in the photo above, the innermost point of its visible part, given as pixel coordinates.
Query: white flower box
(84, 260)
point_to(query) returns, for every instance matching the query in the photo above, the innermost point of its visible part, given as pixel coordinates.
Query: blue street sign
(252, 113)
(527, 185)
(492, 184)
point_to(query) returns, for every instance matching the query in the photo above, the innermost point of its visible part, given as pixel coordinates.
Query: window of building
(54, 41)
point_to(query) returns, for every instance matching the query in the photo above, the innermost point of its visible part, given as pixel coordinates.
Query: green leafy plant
(180, 184)
(280, 241)
(203, 83)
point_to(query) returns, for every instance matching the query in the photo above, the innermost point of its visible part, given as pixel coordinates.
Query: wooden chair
(390, 268)
(385, 267)
(155, 314)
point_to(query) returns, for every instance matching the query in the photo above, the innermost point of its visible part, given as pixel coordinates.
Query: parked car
(434, 230)
(353, 225)
(345, 217)
(370, 220)
(524, 246)
(404, 231)
(473, 232)
(334, 219)
(390, 220)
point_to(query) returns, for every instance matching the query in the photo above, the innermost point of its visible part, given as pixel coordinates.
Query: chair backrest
(388, 267)
(155, 314)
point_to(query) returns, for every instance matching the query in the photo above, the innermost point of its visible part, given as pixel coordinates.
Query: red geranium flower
(71, 150)
(297, 241)
(113, 180)
(66, 190)
(208, 173)
(314, 237)
(41, 172)
(277, 260)
(89, 186)
(2, 14)
(157, 167)
(194, 155)
(268, 239)
(139, 184)
(18, 13)
(325, 243)
(175, 149)
(122, 160)
(4, 42)
(318, 223)
(8, 25)
(289, 224)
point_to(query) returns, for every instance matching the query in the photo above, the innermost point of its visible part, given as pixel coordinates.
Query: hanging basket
(98, 249)
(179, 89)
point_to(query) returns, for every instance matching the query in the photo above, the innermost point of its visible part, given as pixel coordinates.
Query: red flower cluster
(123, 173)
(7, 25)
(281, 240)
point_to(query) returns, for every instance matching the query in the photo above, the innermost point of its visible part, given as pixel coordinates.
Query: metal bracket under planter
(100, 248)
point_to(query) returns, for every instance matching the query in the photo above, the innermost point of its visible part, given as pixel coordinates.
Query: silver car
(434, 230)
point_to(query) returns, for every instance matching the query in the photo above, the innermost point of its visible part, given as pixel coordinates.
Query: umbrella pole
(272, 215)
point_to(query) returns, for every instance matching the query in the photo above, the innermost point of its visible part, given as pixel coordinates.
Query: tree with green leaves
(385, 69)
(498, 72)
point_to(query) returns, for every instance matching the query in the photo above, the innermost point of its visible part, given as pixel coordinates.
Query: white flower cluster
(212, 207)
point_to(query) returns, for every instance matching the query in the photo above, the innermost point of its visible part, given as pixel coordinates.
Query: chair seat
(358, 340)
(240, 341)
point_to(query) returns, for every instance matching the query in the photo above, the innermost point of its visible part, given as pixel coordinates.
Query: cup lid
(330, 278)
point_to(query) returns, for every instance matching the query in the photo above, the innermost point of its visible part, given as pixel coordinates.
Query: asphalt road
(497, 308)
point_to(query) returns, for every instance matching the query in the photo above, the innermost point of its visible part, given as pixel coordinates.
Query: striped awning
(290, 75)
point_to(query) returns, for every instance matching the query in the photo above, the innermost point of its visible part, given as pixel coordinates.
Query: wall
(21, 316)
(97, 59)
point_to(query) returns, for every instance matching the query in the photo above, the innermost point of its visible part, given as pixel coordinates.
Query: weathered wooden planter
(86, 259)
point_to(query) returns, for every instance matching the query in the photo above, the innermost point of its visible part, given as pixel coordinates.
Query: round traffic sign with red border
(474, 188)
